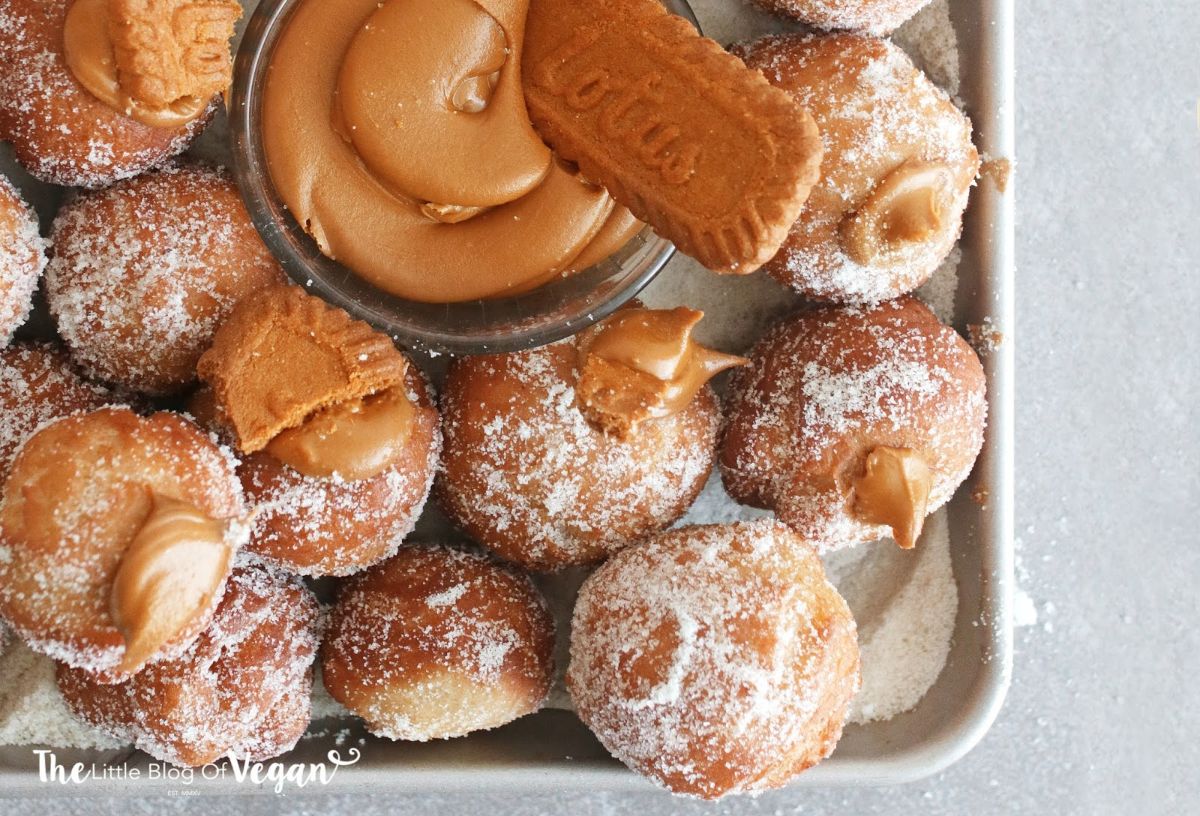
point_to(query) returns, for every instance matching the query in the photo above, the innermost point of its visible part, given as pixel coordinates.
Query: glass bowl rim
(250, 173)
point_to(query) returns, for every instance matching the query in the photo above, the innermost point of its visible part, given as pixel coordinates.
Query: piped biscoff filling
(168, 577)
(644, 364)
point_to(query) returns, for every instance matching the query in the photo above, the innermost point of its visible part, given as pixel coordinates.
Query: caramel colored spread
(397, 135)
(163, 69)
(893, 490)
(644, 364)
(907, 208)
(356, 440)
(167, 577)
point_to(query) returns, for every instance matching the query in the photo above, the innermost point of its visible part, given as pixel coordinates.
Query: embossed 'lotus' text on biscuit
(631, 110)
(678, 130)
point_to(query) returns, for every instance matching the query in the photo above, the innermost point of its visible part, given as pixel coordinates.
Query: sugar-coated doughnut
(714, 659)
(38, 385)
(827, 394)
(22, 259)
(436, 643)
(145, 271)
(323, 526)
(898, 167)
(526, 473)
(241, 689)
(117, 533)
(313, 525)
(59, 131)
(868, 16)
(342, 473)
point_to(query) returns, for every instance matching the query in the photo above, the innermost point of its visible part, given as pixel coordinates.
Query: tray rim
(995, 136)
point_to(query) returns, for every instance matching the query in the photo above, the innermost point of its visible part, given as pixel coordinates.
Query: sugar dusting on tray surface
(32, 712)
(904, 602)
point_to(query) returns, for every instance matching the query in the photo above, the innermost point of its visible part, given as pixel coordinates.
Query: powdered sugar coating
(435, 643)
(242, 688)
(37, 386)
(22, 259)
(60, 132)
(145, 271)
(528, 476)
(75, 497)
(876, 112)
(868, 16)
(825, 388)
(714, 659)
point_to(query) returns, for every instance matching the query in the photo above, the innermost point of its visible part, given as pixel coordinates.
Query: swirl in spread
(397, 135)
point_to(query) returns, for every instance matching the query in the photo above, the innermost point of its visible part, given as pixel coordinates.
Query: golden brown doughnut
(315, 526)
(323, 526)
(877, 17)
(897, 170)
(22, 259)
(242, 688)
(829, 390)
(282, 727)
(37, 385)
(145, 271)
(714, 659)
(117, 533)
(267, 367)
(435, 643)
(526, 473)
(59, 131)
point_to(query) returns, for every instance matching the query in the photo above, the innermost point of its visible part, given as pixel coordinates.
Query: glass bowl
(550, 312)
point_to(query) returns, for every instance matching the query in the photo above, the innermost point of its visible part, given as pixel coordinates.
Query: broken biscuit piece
(172, 51)
(284, 355)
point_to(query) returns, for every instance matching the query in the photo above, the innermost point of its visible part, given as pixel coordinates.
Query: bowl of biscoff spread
(387, 158)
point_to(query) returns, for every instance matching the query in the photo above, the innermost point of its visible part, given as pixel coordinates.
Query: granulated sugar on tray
(31, 709)
(905, 603)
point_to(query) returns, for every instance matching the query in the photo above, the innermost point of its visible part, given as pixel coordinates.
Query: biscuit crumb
(985, 337)
(999, 171)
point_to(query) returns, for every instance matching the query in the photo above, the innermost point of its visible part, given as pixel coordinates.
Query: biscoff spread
(396, 134)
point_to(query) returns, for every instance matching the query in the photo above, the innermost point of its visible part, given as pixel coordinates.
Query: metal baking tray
(552, 750)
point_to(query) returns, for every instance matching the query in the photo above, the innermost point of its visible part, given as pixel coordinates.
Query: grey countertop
(1104, 706)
